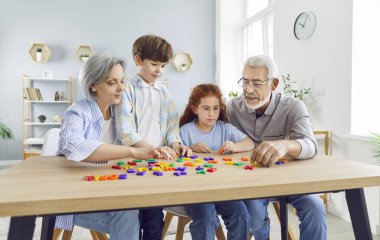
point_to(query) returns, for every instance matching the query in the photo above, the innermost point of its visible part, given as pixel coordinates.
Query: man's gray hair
(95, 70)
(263, 61)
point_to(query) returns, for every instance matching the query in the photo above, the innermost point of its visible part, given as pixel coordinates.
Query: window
(365, 114)
(257, 30)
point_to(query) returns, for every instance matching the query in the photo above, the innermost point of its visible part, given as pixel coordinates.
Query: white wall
(107, 26)
(324, 63)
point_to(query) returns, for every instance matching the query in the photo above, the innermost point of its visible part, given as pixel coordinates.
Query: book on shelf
(32, 94)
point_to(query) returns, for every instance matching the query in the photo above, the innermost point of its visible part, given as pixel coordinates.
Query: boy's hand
(167, 153)
(200, 148)
(228, 147)
(181, 150)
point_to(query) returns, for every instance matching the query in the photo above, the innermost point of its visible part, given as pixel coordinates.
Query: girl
(204, 128)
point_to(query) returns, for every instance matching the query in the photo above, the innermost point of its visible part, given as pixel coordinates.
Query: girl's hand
(200, 148)
(181, 150)
(228, 147)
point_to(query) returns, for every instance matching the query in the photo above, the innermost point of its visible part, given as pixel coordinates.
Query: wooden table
(49, 186)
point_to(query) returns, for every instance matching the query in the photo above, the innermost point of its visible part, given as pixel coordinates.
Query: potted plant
(183, 66)
(5, 132)
(39, 54)
(374, 140)
(84, 57)
(289, 91)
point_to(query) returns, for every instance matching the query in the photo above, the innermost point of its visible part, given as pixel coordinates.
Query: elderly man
(280, 126)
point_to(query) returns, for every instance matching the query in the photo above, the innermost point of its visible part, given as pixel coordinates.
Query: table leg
(358, 212)
(284, 218)
(47, 229)
(22, 228)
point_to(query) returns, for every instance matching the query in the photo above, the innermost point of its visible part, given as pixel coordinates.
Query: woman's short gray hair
(95, 70)
(263, 61)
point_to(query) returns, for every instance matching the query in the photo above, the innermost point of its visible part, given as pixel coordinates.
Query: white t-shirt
(108, 132)
(149, 115)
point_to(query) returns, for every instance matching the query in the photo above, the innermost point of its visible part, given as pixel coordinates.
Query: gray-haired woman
(88, 134)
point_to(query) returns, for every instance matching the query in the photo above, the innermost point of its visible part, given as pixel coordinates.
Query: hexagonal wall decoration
(83, 53)
(40, 52)
(182, 61)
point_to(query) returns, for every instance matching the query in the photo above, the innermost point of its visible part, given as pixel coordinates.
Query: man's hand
(181, 149)
(269, 152)
(200, 148)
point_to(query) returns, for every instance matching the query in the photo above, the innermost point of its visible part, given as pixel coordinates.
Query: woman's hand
(145, 152)
(167, 153)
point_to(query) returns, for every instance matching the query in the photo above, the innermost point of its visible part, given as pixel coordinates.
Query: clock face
(304, 25)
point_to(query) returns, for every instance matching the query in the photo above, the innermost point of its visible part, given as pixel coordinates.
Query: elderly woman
(88, 134)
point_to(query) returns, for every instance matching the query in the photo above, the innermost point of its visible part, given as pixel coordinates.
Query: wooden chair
(326, 139)
(183, 220)
(50, 148)
(324, 196)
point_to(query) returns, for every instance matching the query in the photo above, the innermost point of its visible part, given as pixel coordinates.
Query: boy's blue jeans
(151, 221)
(205, 220)
(310, 210)
(117, 224)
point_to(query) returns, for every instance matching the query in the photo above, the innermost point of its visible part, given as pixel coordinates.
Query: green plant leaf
(5, 132)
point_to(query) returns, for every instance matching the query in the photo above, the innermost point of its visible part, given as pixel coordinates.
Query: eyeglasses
(243, 82)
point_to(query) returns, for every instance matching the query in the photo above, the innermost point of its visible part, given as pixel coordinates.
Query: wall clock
(304, 25)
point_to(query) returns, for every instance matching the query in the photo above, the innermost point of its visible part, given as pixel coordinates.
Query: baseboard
(4, 163)
(339, 212)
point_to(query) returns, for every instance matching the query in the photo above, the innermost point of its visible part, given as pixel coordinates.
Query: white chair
(50, 148)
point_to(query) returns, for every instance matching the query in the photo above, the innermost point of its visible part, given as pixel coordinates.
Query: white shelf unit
(33, 131)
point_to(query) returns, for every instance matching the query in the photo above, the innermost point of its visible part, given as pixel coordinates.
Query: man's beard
(259, 104)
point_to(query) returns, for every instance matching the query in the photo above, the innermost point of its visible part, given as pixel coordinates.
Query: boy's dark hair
(152, 47)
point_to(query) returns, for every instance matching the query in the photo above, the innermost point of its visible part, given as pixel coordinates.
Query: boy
(147, 116)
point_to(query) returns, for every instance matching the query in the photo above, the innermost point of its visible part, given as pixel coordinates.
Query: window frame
(262, 15)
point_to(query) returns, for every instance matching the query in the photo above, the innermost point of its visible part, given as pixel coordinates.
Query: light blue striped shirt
(80, 130)
(127, 114)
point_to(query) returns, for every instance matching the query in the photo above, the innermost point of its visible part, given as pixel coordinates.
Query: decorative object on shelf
(5, 132)
(374, 140)
(39, 52)
(41, 118)
(182, 61)
(305, 25)
(62, 96)
(47, 74)
(57, 118)
(84, 52)
(56, 96)
(289, 91)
